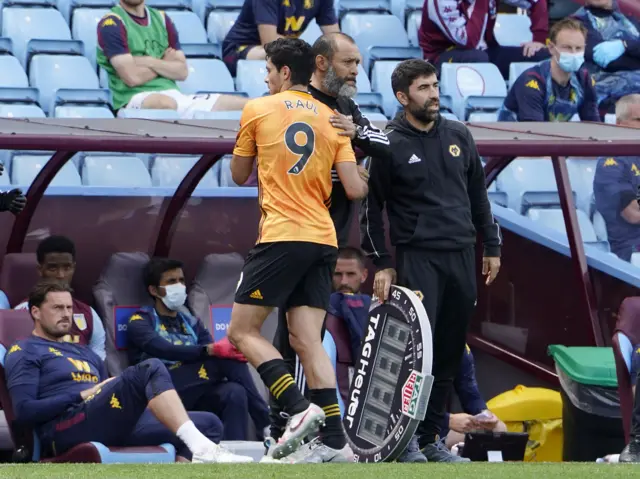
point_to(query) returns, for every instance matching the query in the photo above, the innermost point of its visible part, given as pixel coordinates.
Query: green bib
(151, 40)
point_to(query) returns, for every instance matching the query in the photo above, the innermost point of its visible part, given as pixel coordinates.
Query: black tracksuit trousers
(447, 280)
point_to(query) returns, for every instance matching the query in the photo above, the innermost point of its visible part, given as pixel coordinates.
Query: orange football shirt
(296, 147)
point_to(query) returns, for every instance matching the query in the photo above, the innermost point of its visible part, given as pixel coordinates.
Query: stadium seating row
(111, 170)
(527, 186)
(48, 67)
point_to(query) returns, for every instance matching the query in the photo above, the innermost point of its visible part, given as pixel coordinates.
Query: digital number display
(384, 380)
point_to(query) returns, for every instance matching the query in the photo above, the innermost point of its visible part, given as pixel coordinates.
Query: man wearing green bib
(138, 46)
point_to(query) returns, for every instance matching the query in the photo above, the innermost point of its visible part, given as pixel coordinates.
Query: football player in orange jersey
(290, 135)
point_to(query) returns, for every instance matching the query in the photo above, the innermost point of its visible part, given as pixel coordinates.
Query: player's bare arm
(355, 186)
(130, 71)
(241, 168)
(173, 64)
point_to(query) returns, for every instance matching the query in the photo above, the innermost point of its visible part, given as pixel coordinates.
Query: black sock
(278, 379)
(332, 433)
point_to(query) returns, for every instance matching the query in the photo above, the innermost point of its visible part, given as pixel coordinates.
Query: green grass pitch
(320, 471)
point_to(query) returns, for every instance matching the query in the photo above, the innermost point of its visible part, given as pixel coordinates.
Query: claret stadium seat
(625, 337)
(15, 325)
(211, 298)
(120, 287)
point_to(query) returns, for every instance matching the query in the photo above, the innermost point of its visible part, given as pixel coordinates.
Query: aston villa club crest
(80, 321)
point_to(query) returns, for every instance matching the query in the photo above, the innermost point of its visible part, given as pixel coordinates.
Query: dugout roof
(208, 136)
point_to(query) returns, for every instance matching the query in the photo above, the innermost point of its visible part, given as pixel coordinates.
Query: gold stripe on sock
(278, 392)
(332, 410)
(279, 382)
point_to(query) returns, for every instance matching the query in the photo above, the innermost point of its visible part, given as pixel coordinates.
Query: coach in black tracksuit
(334, 84)
(433, 189)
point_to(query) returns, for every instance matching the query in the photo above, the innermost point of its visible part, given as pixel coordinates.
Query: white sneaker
(299, 426)
(220, 455)
(315, 452)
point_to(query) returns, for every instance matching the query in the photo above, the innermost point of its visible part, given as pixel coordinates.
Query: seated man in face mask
(558, 88)
(207, 376)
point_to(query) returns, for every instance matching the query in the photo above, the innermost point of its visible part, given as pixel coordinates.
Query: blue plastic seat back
(84, 26)
(250, 77)
(121, 171)
(207, 75)
(25, 24)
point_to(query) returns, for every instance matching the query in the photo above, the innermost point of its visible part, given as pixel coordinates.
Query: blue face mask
(570, 62)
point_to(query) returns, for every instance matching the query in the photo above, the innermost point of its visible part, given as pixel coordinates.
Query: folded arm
(141, 333)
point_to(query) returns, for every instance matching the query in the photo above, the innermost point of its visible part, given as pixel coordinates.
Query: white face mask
(175, 297)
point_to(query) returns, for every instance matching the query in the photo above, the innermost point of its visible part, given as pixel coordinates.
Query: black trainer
(631, 452)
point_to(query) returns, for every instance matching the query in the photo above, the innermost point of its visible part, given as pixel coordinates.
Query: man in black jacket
(334, 84)
(433, 188)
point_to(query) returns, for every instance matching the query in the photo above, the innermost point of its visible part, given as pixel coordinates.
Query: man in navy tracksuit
(62, 391)
(208, 377)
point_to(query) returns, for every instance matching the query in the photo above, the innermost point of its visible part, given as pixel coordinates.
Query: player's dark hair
(409, 71)
(349, 252)
(326, 45)
(55, 244)
(295, 54)
(38, 294)
(156, 267)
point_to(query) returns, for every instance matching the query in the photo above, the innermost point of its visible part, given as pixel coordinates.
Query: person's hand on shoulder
(345, 123)
(529, 49)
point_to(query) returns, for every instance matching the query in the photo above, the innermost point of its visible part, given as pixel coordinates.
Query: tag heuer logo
(411, 393)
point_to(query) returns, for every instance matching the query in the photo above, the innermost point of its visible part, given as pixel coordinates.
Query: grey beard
(348, 91)
(336, 86)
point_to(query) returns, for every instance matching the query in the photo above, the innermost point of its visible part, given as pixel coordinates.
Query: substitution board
(392, 378)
